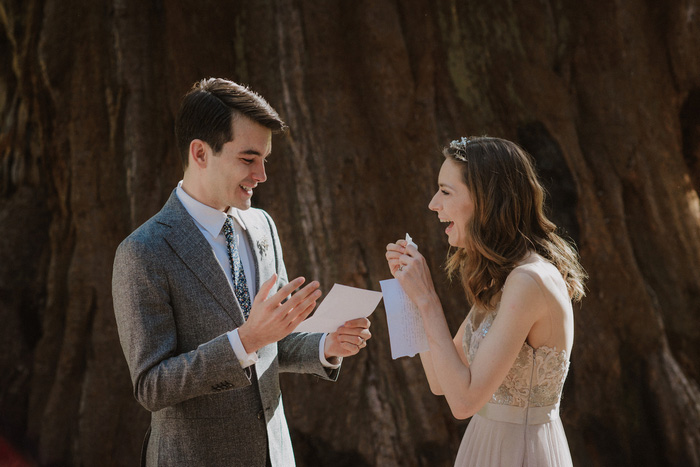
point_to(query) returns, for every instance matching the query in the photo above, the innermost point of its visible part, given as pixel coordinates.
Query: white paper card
(342, 304)
(406, 332)
(410, 241)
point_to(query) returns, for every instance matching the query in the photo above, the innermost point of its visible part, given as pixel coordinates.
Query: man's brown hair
(208, 109)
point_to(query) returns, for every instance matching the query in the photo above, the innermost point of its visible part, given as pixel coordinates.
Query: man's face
(232, 173)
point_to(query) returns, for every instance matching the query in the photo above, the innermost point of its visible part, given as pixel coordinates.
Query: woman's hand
(409, 267)
(393, 255)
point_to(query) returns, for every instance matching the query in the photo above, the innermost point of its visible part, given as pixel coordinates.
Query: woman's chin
(455, 242)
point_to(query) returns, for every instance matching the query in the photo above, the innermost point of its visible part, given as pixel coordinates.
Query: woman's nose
(433, 205)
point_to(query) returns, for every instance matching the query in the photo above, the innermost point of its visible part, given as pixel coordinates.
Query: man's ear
(199, 154)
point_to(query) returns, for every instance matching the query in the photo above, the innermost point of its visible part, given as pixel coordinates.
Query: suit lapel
(193, 249)
(260, 241)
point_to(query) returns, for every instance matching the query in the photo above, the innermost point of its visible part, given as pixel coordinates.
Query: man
(199, 296)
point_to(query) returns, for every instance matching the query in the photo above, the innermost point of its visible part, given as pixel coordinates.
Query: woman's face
(453, 203)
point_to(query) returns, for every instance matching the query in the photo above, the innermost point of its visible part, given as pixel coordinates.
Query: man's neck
(195, 190)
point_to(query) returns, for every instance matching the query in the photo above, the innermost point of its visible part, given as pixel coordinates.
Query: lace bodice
(536, 378)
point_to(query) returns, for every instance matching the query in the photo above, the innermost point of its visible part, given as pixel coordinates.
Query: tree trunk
(606, 97)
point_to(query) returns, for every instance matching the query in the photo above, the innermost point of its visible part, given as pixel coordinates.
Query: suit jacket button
(261, 414)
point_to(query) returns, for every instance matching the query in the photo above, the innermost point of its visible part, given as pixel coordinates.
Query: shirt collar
(211, 219)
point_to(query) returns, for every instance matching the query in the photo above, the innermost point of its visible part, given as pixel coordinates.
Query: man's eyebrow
(251, 152)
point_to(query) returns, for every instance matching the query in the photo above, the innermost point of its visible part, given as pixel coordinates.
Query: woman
(507, 363)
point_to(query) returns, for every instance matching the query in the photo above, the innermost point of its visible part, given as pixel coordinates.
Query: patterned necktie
(240, 285)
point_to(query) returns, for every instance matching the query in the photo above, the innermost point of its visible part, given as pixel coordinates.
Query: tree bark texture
(605, 95)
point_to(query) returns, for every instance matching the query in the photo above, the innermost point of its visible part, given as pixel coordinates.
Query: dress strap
(520, 415)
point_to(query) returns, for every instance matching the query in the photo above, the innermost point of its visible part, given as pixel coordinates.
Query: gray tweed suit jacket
(173, 306)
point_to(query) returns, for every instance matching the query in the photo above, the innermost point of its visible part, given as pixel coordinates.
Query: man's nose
(259, 174)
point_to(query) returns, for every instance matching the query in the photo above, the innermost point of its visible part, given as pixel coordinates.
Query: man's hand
(348, 339)
(271, 320)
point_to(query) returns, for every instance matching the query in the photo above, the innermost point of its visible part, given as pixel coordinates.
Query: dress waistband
(520, 415)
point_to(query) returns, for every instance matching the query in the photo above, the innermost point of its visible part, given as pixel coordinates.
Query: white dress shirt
(210, 222)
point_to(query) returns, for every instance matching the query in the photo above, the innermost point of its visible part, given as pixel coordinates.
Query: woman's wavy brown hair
(508, 220)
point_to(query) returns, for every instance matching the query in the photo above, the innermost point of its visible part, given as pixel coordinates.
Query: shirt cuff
(244, 358)
(322, 355)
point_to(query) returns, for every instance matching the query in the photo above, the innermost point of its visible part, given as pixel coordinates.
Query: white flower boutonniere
(263, 245)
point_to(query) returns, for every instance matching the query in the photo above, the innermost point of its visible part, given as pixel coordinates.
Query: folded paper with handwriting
(343, 303)
(406, 333)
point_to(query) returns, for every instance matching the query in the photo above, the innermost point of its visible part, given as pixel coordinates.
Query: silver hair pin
(460, 145)
(463, 141)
